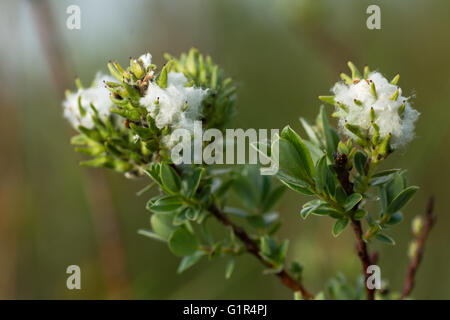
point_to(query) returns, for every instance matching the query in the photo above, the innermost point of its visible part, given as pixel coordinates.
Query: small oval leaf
(182, 242)
(401, 199)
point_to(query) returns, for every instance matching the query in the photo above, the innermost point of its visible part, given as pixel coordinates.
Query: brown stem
(414, 264)
(363, 255)
(343, 175)
(253, 248)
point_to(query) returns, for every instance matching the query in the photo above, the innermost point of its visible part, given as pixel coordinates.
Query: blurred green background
(283, 54)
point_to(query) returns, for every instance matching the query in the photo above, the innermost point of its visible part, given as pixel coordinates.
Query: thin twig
(253, 248)
(414, 264)
(363, 255)
(343, 175)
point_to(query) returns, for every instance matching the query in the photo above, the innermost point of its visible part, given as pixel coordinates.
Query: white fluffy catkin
(176, 106)
(386, 109)
(97, 95)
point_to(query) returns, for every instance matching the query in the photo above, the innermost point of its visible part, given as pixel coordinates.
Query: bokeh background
(283, 54)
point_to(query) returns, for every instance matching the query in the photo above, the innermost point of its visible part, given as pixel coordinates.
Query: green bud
(412, 249)
(327, 99)
(165, 130)
(355, 130)
(114, 72)
(395, 95)
(384, 145)
(376, 136)
(342, 106)
(417, 226)
(395, 80)
(401, 109)
(346, 78)
(185, 106)
(80, 107)
(111, 84)
(342, 148)
(137, 69)
(372, 114)
(357, 102)
(366, 72)
(120, 70)
(373, 90)
(161, 81)
(78, 83)
(362, 142)
(354, 70)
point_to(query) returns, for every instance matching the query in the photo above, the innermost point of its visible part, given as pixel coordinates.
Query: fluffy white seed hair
(146, 59)
(167, 105)
(97, 95)
(386, 110)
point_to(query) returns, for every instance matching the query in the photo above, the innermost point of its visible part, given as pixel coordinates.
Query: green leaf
(298, 188)
(272, 199)
(289, 161)
(340, 194)
(401, 199)
(331, 137)
(182, 242)
(189, 261)
(330, 186)
(193, 212)
(395, 218)
(360, 163)
(303, 152)
(326, 209)
(235, 211)
(395, 187)
(193, 181)
(246, 192)
(321, 173)
(359, 214)
(180, 217)
(145, 189)
(161, 81)
(315, 151)
(310, 207)
(282, 251)
(165, 204)
(339, 226)
(385, 173)
(230, 268)
(170, 179)
(151, 234)
(381, 180)
(310, 132)
(383, 197)
(385, 238)
(142, 132)
(162, 224)
(351, 201)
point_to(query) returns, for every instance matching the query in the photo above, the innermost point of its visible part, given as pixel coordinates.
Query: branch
(414, 264)
(361, 247)
(253, 248)
(363, 255)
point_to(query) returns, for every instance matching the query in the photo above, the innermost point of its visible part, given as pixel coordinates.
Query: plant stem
(363, 255)
(253, 248)
(430, 219)
(344, 178)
